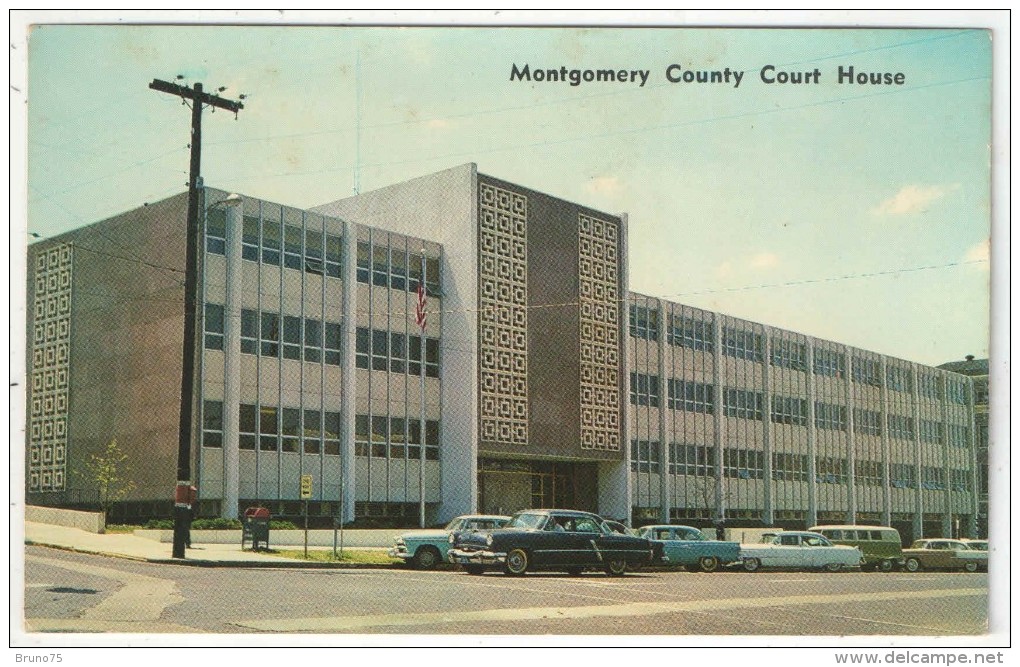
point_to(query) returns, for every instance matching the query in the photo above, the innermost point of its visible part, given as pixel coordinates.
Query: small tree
(109, 472)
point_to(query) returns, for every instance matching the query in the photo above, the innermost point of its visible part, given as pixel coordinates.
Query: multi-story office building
(538, 380)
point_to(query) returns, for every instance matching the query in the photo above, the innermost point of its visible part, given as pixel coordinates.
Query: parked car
(687, 546)
(552, 539)
(880, 545)
(943, 554)
(424, 549)
(798, 550)
(976, 545)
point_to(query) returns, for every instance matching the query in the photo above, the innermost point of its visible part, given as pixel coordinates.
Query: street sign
(306, 487)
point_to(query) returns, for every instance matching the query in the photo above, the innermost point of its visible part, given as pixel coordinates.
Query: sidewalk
(125, 545)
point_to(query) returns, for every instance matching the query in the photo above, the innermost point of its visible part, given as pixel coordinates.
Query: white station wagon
(798, 550)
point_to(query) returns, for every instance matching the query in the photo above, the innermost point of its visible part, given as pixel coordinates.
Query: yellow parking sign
(306, 486)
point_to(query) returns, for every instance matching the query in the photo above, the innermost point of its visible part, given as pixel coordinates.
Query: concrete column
(717, 399)
(665, 479)
(918, 498)
(232, 360)
(812, 508)
(947, 498)
(851, 458)
(975, 505)
(616, 493)
(347, 369)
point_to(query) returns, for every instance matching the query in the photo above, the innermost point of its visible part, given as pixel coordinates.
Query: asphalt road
(67, 592)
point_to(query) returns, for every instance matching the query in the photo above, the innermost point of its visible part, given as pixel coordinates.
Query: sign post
(306, 493)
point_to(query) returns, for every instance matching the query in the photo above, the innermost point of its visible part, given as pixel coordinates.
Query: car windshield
(977, 546)
(527, 520)
(455, 524)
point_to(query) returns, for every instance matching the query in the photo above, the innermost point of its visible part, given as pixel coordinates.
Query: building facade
(977, 370)
(539, 379)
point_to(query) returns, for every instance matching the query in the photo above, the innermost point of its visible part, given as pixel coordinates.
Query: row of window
(270, 428)
(397, 352)
(396, 268)
(270, 334)
(291, 246)
(382, 437)
(700, 461)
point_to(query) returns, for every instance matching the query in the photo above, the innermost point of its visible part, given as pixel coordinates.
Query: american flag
(419, 309)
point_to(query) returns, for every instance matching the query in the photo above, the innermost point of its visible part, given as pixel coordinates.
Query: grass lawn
(364, 556)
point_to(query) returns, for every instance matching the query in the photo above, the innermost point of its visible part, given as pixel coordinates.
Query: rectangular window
(868, 473)
(431, 440)
(743, 344)
(743, 463)
(247, 425)
(270, 335)
(691, 396)
(788, 354)
(692, 334)
(363, 347)
(902, 475)
(334, 257)
(212, 423)
(398, 269)
(931, 431)
(398, 437)
(898, 379)
(867, 422)
(959, 480)
(830, 470)
(398, 352)
(829, 363)
(432, 357)
(866, 371)
(789, 410)
(743, 404)
(692, 460)
(269, 427)
(313, 251)
(644, 322)
(291, 337)
(414, 439)
(249, 331)
(432, 286)
(380, 266)
(290, 429)
(414, 265)
(644, 456)
(250, 238)
(270, 242)
(414, 355)
(331, 434)
(364, 261)
(331, 344)
(380, 436)
(216, 231)
(644, 389)
(830, 417)
(213, 327)
(956, 392)
(361, 435)
(313, 340)
(312, 432)
(380, 350)
(932, 479)
(293, 251)
(928, 385)
(901, 427)
(789, 467)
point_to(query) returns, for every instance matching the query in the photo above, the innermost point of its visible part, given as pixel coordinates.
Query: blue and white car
(798, 550)
(424, 549)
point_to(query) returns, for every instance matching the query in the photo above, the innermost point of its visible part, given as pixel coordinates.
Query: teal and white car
(687, 546)
(424, 549)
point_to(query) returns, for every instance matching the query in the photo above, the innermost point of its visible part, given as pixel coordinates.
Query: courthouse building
(539, 379)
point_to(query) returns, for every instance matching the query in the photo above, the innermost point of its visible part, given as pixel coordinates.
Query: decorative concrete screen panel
(598, 262)
(503, 317)
(50, 370)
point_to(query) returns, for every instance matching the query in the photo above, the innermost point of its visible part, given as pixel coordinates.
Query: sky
(857, 213)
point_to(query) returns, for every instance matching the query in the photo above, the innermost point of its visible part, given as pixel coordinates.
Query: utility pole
(182, 495)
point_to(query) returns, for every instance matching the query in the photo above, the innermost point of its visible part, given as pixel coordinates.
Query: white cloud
(912, 199)
(980, 252)
(438, 124)
(604, 185)
(724, 270)
(764, 260)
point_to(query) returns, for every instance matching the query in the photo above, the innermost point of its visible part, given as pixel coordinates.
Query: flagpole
(421, 375)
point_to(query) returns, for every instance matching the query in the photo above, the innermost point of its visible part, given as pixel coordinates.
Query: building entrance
(506, 486)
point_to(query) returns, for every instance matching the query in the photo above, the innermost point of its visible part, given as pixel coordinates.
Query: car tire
(885, 566)
(832, 567)
(708, 563)
(912, 565)
(616, 567)
(517, 562)
(970, 567)
(426, 558)
(474, 569)
(752, 565)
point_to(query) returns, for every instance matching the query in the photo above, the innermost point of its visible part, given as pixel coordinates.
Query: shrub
(275, 524)
(159, 524)
(216, 524)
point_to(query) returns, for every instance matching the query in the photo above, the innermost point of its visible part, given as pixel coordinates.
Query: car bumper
(475, 557)
(398, 552)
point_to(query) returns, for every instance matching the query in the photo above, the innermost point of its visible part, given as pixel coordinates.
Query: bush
(216, 524)
(159, 524)
(281, 525)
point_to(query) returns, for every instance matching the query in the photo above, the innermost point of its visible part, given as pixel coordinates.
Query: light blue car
(687, 546)
(424, 549)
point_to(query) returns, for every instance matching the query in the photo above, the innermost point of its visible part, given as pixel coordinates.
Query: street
(68, 592)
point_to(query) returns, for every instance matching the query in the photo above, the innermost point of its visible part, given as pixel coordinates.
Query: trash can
(255, 528)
